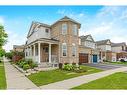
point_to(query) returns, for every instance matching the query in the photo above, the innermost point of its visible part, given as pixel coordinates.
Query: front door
(94, 58)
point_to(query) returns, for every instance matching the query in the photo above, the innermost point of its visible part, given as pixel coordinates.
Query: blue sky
(102, 22)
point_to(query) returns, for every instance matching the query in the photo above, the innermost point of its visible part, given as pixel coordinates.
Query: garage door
(83, 58)
(94, 58)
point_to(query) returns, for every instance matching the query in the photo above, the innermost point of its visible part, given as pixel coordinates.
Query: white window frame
(64, 28)
(64, 49)
(75, 29)
(73, 50)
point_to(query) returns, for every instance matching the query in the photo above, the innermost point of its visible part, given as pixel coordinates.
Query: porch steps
(44, 65)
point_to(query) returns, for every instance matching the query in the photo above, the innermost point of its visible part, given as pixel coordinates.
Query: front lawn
(119, 63)
(114, 81)
(46, 77)
(2, 76)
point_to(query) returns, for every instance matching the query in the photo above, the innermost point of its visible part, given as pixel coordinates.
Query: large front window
(73, 50)
(75, 29)
(64, 49)
(64, 29)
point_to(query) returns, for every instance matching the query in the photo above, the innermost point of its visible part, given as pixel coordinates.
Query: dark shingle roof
(18, 46)
(102, 42)
(118, 44)
(65, 18)
(84, 38)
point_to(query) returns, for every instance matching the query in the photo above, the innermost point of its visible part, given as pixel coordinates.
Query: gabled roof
(118, 44)
(36, 24)
(65, 18)
(84, 38)
(103, 42)
(18, 46)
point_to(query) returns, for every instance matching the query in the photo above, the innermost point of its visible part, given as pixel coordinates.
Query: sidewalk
(73, 82)
(15, 79)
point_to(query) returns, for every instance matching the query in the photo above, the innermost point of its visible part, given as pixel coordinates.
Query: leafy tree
(2, 52)
(3, 36)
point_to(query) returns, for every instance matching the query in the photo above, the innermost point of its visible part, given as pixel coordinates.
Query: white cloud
(1, 20)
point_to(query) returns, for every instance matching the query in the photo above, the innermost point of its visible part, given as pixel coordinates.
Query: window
(64, 49)
(64, 29)
(74, 29)
(73, 50)
(47, 30)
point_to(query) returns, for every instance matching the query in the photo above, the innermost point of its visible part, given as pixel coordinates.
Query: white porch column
(49, 53)
(39, 53)
(31, 51)
(34, 53)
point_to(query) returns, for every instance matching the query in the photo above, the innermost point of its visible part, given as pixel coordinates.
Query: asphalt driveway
(106, 66)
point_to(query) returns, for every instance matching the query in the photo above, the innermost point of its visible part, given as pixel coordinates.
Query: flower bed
(25, 66)
(72, 67)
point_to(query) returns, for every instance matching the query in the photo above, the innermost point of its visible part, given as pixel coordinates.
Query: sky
(102, 22)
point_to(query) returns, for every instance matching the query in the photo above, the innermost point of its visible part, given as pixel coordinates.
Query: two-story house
(107, 54)
(88, 52)
(120, 49)
(56, 43)
(19, 48)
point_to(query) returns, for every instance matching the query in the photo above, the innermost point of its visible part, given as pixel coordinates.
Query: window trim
(63, 30)
(64, 49)
(75, 29)
(73, 50)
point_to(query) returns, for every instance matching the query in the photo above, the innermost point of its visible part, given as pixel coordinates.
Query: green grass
(2, 77)
(114, 81)
(46, 77)
(119, 63)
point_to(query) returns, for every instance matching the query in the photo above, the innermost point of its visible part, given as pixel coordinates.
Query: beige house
(107, 53)
(120, 49)
(19, 48)
(88, 52)
(52, 44)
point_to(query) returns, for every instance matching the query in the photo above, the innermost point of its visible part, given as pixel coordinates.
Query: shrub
(33, 65)
(68, 67)
(22, 63)
(26, 66)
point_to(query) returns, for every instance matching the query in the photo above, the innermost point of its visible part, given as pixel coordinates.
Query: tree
(3, 36)
(2, 52)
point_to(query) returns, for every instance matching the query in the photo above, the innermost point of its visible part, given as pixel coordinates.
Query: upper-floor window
(64, 49)
(74, 29)
(64, 28)
(122, 47)
(47, 30)
(73, 50)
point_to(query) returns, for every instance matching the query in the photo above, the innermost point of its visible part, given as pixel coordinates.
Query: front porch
(43, 52)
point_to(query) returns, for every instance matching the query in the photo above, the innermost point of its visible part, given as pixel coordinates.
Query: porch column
(31, 51)
(39, 52)
(25, 52)
(34, 52)
(49, 53)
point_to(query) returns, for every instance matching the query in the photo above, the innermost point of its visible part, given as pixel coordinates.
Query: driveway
(106, 66)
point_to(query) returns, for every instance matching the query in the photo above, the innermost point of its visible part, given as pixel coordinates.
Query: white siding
(117, 49)
(89, 44)
(105, 47)
(40, 33)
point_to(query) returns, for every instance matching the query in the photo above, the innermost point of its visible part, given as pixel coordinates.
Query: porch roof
(44, 40)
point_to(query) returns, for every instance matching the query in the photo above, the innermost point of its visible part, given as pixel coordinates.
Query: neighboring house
(19, 48)
(88, 52)
(107, 54)
(120, 49)
(56, 43)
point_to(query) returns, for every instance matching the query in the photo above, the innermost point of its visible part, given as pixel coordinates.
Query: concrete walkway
(15, 79)
(73, 82)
